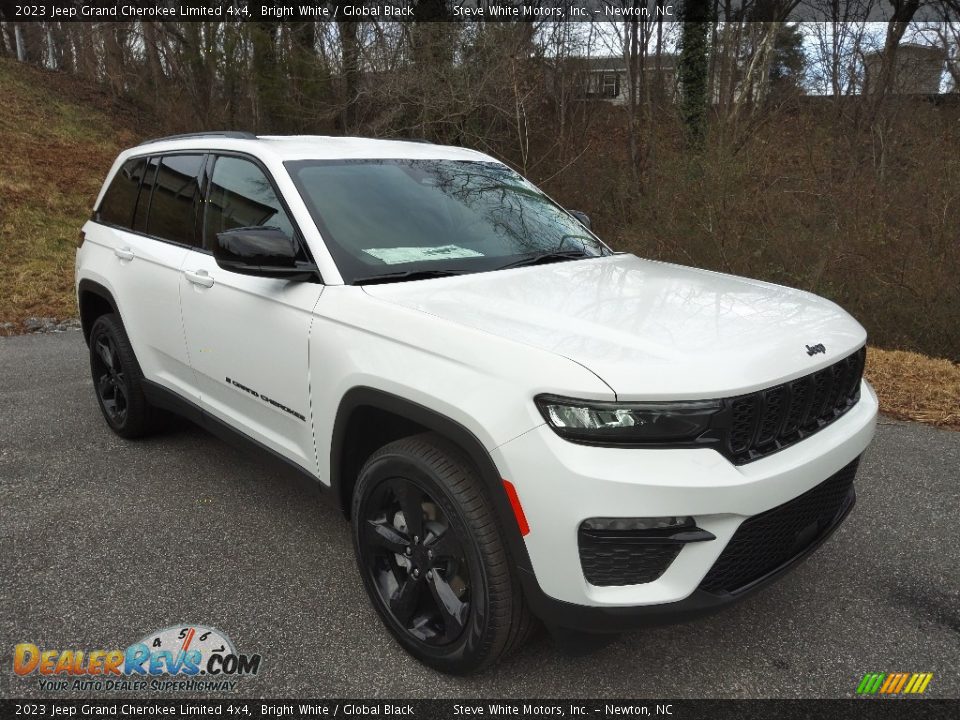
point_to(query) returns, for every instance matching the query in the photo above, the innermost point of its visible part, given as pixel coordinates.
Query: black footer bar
(450, 709)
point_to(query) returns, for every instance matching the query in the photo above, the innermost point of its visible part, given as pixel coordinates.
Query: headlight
(627, 423)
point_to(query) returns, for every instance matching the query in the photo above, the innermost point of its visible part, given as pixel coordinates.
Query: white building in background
(605, 78)
(918, 70)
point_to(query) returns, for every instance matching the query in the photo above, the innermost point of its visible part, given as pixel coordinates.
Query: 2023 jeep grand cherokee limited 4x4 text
(518, 421)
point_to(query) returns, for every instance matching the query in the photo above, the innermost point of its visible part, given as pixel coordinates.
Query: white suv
(519, 422)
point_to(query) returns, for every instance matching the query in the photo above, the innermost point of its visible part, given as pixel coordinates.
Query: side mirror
(263, 251)
(582, 217)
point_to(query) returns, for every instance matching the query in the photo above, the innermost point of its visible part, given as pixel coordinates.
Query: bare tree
(838, 47)
(903, 12)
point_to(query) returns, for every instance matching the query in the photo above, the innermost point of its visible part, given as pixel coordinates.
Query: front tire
(118, 380)
(432, 559)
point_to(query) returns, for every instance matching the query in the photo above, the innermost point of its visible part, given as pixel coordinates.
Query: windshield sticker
(400, 255)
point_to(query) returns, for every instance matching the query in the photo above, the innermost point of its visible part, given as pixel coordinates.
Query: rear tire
(118, 380)
(432, 560)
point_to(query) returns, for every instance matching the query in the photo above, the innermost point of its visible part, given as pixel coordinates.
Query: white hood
(648, 329)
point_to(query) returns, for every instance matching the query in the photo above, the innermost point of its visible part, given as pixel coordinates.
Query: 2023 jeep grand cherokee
(518, 421)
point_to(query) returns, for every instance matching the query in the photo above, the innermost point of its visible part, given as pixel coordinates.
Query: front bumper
(560, 484)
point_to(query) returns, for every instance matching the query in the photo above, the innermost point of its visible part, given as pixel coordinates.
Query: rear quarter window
(119, 201)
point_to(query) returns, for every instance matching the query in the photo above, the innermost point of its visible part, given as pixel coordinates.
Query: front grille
(617, 561)
(766, 541)
(769, 420)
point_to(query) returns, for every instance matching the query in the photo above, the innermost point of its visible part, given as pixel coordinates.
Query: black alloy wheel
(118, 380)
(109, 379)
(432, 557)
(416, 561)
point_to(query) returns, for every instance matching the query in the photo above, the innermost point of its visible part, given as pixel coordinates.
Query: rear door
(248, 335)
(144, 260)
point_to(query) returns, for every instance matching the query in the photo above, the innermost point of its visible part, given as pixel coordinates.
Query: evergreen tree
(693, 67)
(789, 60)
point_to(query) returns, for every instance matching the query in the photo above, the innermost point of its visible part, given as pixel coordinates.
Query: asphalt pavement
(104, 540)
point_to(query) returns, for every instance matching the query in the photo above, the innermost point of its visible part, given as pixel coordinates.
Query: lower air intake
(767, 541)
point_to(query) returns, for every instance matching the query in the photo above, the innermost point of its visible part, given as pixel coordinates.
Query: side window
(146, 190)
(241, 196)
(176, 197)
(117, 205)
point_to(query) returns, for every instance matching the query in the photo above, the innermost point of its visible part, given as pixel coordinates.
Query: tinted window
(176, 195)
(146, 189)
(242, 196)
(116, 207)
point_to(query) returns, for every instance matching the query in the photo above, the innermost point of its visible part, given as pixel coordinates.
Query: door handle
(123, 253)
(200, 277)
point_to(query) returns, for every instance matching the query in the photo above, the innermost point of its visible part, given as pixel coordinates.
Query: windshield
(409, 218)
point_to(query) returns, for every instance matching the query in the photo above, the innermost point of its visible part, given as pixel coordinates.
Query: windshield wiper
(406, 275)
(545, 257)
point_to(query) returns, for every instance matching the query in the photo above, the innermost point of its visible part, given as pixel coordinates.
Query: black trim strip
(641, 537)
(166, 399)
(132, 220)
(233, 134)
(87, 286)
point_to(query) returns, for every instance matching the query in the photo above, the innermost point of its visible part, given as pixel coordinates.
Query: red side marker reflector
(517, 507)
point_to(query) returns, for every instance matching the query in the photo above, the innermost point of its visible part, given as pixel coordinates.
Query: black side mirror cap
(262, 251)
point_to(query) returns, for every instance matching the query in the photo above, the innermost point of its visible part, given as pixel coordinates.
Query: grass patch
(912, 386)
(58, 148)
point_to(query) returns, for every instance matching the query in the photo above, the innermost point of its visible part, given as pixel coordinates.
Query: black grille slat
(851, 388)
(821, 386)
(769, 420)
(814, 391)
(741, 431)
(797, 408)
(835, 373)
(844, 368)
(773, 402)
(765, 542)
(861, 360)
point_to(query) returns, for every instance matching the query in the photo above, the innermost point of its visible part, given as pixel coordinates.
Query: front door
(248, 336)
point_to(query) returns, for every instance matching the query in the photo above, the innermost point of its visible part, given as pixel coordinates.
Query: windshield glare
(385, 217)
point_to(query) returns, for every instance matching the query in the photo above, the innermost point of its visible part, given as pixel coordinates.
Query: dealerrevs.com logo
(894, 683)
(188, 658)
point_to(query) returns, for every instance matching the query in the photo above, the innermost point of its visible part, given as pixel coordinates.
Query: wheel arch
(93, 300)
(348, 451)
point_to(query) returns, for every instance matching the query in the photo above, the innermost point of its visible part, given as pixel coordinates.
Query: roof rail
(235, 134)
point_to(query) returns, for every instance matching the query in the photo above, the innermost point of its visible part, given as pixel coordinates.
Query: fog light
(633, 551)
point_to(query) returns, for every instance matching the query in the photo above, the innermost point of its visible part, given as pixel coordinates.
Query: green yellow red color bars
(894, 683)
